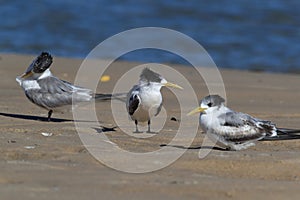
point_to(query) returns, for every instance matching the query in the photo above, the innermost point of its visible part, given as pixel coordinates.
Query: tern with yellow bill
(43, 89)
(235, 130)
(144, 100)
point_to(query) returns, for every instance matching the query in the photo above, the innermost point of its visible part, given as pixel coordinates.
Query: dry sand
(59, 167)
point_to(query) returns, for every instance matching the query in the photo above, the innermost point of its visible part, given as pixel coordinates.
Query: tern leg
(238, 147)
(149, 130)
(49, 115)
(136, 127)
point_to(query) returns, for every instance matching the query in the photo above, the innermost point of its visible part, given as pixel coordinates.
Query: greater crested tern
(144, 100)
(42, 88)
(234, 130)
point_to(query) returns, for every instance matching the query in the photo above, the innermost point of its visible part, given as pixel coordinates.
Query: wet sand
(59, 167)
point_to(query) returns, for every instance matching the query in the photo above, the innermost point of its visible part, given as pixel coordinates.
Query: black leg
(149, 129)
(149, 122)
(136, 127)
(49, 115)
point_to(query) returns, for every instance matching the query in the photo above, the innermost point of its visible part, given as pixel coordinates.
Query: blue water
(241, 34)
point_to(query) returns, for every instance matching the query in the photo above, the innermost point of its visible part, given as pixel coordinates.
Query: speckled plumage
(230, 129)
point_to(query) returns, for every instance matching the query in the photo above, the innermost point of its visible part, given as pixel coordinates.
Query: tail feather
(287, 131)
(282, 137)
(107, 97)
(284, 134)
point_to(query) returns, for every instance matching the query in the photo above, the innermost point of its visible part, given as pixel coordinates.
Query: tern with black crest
(144, 100)
(45, 90)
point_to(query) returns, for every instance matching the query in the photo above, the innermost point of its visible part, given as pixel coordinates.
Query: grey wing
(47, 100)
(133, 100)
(53, 85)
(80, 94)
(55, 93)
(236, 119)
(242, 119)
(240, 127)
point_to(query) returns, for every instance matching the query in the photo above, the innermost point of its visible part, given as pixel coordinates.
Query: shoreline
(59, 167)
(289, 72)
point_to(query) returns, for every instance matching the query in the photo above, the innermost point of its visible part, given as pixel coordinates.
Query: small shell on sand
(47, 134)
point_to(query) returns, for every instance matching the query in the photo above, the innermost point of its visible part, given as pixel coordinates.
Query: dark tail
(287, 131)
(284, 134)
(108, 97)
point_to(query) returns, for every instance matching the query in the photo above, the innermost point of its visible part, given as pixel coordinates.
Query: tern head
(38, 66)
(208, 102)
(150, 77)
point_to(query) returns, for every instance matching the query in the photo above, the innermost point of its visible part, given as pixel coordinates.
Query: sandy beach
(59, 167)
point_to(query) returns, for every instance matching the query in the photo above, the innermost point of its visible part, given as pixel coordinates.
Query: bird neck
(45, 74)
(29, 85)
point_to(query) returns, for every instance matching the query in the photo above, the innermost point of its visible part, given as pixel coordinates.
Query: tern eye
(209, 104)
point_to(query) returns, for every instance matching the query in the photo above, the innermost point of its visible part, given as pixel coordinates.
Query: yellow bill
(197, 110)
(168, 84)
(27, 74)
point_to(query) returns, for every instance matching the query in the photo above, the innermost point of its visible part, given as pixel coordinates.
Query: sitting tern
(144, 100)
(235, 130)
(42, 88)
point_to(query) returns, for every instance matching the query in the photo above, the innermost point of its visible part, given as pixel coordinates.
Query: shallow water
(241, 34)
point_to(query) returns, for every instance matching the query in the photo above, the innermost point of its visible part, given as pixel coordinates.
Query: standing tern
(144, 100)
(235, 130)
(42, 88)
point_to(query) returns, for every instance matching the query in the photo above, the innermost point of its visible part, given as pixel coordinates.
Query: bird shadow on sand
(38, 118)
(104, 129)
(194, 147)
